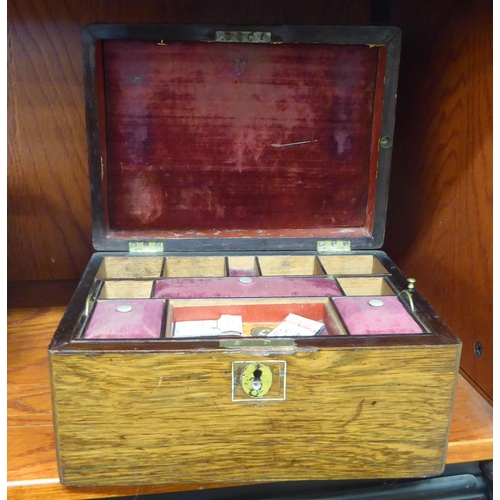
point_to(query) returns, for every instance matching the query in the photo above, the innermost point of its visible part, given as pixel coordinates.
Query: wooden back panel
(440, 217)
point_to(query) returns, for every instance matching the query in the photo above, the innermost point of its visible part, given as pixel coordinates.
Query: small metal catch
(333, 246)
(409, 291)
(386, 142)
(91, 297)
(145, 247)
(88, 305)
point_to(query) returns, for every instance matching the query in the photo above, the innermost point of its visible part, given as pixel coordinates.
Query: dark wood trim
(66, 329)
(280, 34)
(378, 104)
(231, 244)
(94, 134)
(338, 342)
(103, 146)
(388, 123)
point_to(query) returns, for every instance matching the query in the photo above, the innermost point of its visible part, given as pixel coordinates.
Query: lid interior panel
(201, 138)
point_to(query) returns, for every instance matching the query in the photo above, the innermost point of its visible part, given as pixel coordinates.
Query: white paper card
(230, 324)
(226, 325)
(296, 326)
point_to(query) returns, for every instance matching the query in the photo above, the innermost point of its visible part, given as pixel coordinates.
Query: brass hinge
(145, 247)
(333, 246)
(243, 36)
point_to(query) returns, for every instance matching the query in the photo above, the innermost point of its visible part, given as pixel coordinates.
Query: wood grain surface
(33, 314)
(440, 208)
(141, 418)
(49, 231)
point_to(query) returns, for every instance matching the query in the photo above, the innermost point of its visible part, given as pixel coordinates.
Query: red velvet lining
(191, 127)
(251, 313)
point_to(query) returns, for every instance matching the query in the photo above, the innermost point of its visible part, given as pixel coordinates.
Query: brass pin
(291, 144)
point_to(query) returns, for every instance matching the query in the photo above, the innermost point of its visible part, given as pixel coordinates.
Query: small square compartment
(365, 286)
(126, 289)
(376, 316)
(256, 313)
(130, 267)
(290, 265)
(135, 319)
(352, 264)
(242, 266)
(195, 267)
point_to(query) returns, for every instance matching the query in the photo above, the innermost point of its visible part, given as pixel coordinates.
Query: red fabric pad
(200, 288)
(363, 319)
(143, 321)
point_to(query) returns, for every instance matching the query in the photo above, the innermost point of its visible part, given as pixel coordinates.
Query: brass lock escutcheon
(256, 379)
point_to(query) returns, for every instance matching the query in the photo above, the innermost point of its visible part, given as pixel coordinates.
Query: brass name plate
(243, 36)
(238, 343)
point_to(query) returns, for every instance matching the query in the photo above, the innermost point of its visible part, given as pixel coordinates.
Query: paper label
(296, 326)
(226, 325)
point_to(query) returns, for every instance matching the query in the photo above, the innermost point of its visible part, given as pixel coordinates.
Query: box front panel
(160, 417)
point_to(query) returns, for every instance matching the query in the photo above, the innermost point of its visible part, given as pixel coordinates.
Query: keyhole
(257, 383)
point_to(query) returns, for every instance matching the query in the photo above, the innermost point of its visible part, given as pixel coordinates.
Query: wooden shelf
(34, 311)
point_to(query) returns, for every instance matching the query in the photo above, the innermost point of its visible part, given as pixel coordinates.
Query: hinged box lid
(216, 138)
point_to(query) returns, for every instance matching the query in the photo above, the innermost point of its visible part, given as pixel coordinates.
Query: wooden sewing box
(244, 172)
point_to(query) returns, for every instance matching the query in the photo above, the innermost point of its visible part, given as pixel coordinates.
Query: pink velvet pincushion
(361, 318)
(126, 319)
(233, 287)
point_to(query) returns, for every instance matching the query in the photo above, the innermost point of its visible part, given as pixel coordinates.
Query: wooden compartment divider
(195, 267)
(290, 265)
(365, 286)
(352, 264)
(130, 267)
(243, 265)
(126, 289)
